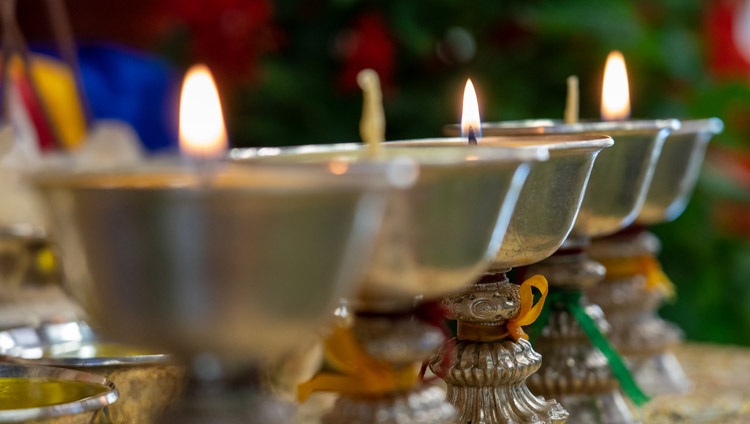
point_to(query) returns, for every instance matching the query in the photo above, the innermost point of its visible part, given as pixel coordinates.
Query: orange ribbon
(357, 372)
(529, 310)
(645, 265)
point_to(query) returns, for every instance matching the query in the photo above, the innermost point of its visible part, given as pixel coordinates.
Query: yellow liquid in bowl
(22, 393)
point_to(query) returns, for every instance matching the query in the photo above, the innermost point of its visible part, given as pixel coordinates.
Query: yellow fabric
(45, 261)
(59, 93)
(358, 373)
(529, 310)
(645, 265)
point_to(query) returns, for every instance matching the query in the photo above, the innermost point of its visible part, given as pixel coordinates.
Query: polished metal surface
(484, 303)
(638, 332)
(438, 236)
(630, 305)
(485, 371)
(574, 371)
(621, 175)
(238, 261)
(70, 344)
(401, 341)
(48, 399)
(147, 382)
(486, 376)
(660, 374)
(422, 405)
(487, 382)
(441, 233)
(550, 200)
(677, 170)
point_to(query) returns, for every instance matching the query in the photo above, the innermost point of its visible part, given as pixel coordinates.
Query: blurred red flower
(732, 215)
(728, 34)
(228, 35)
(367, 44)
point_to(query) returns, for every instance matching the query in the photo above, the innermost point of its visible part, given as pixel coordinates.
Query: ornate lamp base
(487, 382)
(239, 400)
(631, 294)
(392, 345)
(422, 405)
(602, 408)
(575, 372)
(487, 378)
(659, 374)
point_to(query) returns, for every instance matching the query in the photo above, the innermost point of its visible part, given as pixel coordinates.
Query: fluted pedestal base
(605, 407)
(422, 405)
(487, 383)
(400, 340)
(576, 373)
(485, 370)
(659, 374)
(631, 306)
(240, 399)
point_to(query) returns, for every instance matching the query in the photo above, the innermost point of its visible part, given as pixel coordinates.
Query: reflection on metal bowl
(43, 395)
(147, 382)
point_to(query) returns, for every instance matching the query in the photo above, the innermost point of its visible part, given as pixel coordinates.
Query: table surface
(721, 374)
(721, 394)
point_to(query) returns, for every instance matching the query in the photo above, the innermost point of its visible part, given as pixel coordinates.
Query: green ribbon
(571, 301)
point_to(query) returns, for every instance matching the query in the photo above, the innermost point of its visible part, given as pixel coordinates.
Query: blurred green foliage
(522, 54)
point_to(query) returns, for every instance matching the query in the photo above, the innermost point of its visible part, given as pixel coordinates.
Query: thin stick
(66, 44)
(14, 43)
(571, 105)
(372, 124)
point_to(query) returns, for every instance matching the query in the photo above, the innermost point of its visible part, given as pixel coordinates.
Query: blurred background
(286, 72)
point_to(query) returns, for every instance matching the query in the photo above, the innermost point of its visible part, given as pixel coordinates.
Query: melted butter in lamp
(615, 89)
(24, 393)
(202, 130)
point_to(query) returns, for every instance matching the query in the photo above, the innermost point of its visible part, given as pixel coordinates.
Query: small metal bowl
(677, 171)
(621, 175)
(440, 234)
(42, 395)
(147, 382)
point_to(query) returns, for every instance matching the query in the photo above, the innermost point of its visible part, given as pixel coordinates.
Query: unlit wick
(372, 125)
(571, 104)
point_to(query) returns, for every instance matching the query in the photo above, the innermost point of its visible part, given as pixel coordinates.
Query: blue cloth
(133, 87)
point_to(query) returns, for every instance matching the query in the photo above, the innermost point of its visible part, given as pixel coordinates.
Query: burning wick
(472, 136)
(203, 136)
(615, 89)
(571, 104)
(470, 122)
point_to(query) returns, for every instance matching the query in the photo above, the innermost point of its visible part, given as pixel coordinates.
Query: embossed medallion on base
(484, 368)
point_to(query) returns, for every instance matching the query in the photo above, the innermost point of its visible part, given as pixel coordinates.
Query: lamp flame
(471, 126)
(202, 130)
(615, 90)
